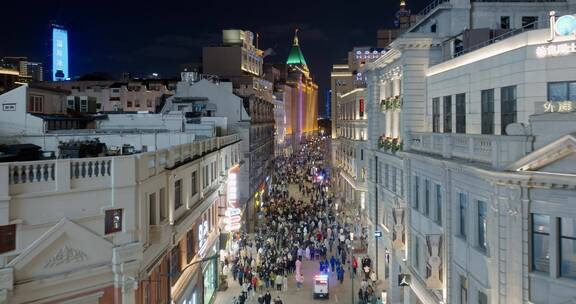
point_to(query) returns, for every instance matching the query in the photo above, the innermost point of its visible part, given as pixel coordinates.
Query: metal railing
(529, 27)
(430, 7)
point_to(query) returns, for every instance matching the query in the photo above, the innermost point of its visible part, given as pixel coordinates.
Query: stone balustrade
(495, 150)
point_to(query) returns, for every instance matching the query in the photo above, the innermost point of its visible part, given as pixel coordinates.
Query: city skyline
(161, 44)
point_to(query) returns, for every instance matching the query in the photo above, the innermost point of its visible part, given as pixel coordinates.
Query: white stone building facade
(124, 229)
(470, 177)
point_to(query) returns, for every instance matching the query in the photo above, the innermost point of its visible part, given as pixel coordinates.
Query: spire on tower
(296, 36)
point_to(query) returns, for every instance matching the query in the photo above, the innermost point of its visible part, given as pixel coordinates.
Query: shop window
(113, 221)
(7, 238)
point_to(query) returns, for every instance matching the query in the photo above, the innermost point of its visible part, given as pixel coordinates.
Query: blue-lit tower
(58, 53)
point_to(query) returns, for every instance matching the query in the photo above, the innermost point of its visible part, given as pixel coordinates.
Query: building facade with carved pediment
(116, 229)
(471, 174)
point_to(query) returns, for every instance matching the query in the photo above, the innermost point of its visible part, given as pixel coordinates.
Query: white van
(321, 286)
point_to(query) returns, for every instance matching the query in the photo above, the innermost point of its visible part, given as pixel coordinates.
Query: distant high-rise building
(404, 20)
(28, 71)
(58, 53)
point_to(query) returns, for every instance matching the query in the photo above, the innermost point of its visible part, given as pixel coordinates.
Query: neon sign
(559, 106)
(554, 50)
(60, 54)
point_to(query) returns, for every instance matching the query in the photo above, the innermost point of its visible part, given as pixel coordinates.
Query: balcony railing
(495, 150)
(57, 175)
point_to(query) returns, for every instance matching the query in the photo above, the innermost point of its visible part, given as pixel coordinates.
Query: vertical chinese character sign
(59, 54)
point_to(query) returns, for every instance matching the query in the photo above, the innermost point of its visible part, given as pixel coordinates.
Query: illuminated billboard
(59, 54)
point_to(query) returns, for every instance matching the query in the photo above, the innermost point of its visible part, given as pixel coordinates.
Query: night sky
(144, 37)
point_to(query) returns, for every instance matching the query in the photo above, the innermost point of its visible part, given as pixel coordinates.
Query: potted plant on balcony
(396, 102)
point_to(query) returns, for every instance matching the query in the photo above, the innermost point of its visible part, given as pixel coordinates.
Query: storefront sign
(559, 106)
(232, 187)
(554, 50)
(202, 236)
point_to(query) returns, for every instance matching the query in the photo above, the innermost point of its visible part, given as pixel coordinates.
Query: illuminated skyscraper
(58, 53)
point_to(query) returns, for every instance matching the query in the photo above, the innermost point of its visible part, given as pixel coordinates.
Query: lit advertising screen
(59, 54)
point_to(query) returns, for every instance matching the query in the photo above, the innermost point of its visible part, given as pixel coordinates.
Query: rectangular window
(416, 192)
(463, 290)
(438, 204)
(163, 206)
(530, 22)
(487, 109)
(505, 22)
(541, 243)
(482, 298)
(416, 253)
(7, 238)
(568, 248)
(175, 264)
(401, 182)
(427, 197)
(447, 114)
(507, 107)
(386, 176)
(482, 229)
(36, 104)
(436, 115)
(113, 221)
(361, 154)
(394, 179)
(152, 210)
(461, 113)
(178, 194)
(190, 245)
(83, 105)
(194, 184)
(463, 209)
(561, 91)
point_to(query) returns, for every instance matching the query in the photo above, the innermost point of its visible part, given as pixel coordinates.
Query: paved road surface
(339, 293)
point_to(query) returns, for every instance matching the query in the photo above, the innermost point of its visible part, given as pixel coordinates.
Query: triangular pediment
(65, 247)
(556, 157)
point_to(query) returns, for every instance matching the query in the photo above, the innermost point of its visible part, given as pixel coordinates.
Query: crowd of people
(294, 226)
